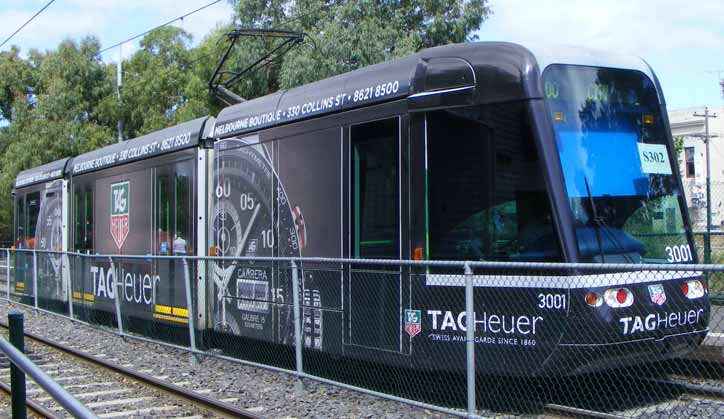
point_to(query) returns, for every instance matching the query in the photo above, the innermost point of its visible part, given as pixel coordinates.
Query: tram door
(173, 236)
(376, 217)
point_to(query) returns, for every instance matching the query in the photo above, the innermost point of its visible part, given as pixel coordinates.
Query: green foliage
(61, 103)
(346, 35)
(679, 144)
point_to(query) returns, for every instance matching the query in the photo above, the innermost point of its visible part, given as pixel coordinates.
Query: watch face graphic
(251, 218)
(48, 237)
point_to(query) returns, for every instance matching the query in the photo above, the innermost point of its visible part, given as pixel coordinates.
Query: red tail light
(621, 296)
(684, 288)
(693, 289)
(618, 297)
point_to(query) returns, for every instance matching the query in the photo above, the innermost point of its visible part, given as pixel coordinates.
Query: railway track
(666, 397)
(112, 390)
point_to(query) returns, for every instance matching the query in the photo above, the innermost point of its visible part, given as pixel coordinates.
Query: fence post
(35, 277)
(69, 282)
(17, 376)
(116, 295)
(470, 338)
(7, 273)
(190, 312)
(296, 306)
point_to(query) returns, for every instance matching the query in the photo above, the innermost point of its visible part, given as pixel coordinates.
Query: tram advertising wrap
(126, 221)
(256, 213)
(448, 156)
(42, 225)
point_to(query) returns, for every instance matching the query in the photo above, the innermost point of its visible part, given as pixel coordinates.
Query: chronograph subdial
(252, 218)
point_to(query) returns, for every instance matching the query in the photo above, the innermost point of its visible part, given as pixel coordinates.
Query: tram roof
(47, 172)
(167, 140)
(490, 71)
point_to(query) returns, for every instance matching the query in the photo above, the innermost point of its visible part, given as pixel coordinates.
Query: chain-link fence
(465, 338)
(709, 241)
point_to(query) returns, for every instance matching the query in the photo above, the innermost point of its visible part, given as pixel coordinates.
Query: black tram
(475, 152)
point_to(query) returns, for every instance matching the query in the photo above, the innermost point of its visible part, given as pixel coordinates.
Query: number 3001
(679, 253)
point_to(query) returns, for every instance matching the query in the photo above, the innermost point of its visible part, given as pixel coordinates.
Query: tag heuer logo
(413, 322)
(657, 294)
(120, 204)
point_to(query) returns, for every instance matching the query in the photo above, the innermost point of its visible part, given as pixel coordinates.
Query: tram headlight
(618, 297)
(692, 289)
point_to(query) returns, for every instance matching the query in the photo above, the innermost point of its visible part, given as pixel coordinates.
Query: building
(692, 161)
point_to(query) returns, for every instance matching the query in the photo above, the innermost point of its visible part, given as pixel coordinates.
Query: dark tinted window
(83, 217)
(32, 208)
(173, 209)
(163, 215)
(20, 222)
(486, 196)
(183, 210)
(375, 189)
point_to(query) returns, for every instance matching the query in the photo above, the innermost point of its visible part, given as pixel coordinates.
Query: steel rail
(704, 391)
(61, 395)
(577, 412)
(223, 408)
(32, 405)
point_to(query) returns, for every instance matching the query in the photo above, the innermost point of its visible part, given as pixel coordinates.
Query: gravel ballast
(267, 393)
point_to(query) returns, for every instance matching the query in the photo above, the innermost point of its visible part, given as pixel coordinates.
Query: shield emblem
(120, 212)
(657, 294)
(413, 323)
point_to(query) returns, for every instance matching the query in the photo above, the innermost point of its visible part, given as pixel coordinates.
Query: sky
(112, 21)
(683, 42)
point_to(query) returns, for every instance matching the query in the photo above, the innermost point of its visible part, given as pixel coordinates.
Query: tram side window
(163, 215)
(174, 209)
(375, 189)
(83, 216)
(183, 212)
(20, 223)
(32, 208)
(486, 195)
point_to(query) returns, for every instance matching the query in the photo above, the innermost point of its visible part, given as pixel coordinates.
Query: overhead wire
(159, 26)
(26, 23)
(207, 54)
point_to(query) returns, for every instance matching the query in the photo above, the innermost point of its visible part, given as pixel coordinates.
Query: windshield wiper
(600, 224)
(595, 219)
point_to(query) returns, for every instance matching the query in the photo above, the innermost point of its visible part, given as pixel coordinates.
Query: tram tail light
(618, 297)
(594, 299)
(693, 289)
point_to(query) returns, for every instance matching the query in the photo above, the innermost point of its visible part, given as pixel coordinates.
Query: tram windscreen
(616, 162)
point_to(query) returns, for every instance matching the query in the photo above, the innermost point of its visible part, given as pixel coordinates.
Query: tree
(346, 35)
(53, 109)
(154, 79)
(15, 82)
